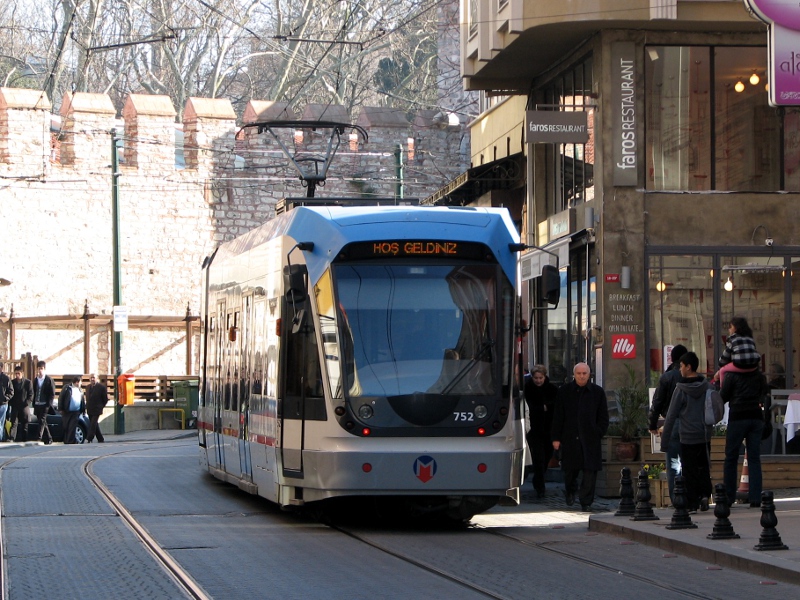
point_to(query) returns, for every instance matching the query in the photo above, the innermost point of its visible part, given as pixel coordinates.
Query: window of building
(681, 309)
(571, 326)
(570, 172)
(684, 290)
(709, 123)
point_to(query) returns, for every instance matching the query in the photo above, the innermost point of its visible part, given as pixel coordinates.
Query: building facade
(680, 208)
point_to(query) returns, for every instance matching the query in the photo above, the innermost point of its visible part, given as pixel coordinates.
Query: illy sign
(623, 346)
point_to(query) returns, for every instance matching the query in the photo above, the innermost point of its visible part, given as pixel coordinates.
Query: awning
(501, 174)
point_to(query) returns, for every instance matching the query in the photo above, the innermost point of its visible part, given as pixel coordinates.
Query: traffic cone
(743, 493)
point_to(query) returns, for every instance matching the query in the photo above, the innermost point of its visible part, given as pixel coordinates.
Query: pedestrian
(660, 407)
(744, 392)
(18, 410)
(688, 406)
(44, 391)
(6, 393)
(580, 420)
(740, 352)
(71, 404)
(540, 396)
(96, 400)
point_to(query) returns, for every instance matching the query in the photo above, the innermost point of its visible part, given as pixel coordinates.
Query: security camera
(769, 241)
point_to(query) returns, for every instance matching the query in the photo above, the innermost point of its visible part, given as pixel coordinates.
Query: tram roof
(332, 227)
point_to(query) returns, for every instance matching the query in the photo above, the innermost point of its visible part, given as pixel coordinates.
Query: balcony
(505, 44)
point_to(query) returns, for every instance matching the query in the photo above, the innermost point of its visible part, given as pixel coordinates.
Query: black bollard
(769, 539)
(680, 518)
(643, 510)
(626, 504)
(723, 530)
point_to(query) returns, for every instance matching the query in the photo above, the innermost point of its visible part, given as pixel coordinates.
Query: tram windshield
(414, 329)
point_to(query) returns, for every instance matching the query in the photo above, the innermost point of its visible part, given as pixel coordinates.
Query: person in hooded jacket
(688, 407)
(660, 407)
(540, 396)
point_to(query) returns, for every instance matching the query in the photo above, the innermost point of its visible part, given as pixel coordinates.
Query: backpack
(715, 407)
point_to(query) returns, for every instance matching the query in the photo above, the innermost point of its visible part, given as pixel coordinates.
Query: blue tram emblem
(425, 468)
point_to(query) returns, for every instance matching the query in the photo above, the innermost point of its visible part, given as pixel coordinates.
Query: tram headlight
(365, 411)
(481, 411)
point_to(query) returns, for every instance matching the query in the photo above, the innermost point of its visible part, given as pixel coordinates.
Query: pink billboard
(784, 48)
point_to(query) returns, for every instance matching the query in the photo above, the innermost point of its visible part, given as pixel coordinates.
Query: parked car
(54, 422)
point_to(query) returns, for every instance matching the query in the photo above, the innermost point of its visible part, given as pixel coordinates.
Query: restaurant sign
(783, 19)
(625, 139)
(556, 127)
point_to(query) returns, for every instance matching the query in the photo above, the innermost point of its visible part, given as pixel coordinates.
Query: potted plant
(632, 404)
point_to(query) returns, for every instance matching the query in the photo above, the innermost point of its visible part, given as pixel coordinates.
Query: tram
(365, 351)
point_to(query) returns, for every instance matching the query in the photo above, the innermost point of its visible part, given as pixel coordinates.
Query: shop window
(753, 288)
(571, 326)
(681, 293)
(709, 124)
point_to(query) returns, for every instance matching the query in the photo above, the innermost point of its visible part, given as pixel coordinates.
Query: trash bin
(186, 393)
(127, 386)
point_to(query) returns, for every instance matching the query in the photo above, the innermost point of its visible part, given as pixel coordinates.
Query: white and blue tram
(365, 351)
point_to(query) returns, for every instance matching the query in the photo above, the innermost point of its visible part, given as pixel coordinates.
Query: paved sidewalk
(782, 565)
(146, 435)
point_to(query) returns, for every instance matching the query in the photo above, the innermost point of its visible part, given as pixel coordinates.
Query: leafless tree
(351, 52)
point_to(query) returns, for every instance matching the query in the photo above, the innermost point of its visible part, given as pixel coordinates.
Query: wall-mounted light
(739, 87)
(661, 286)
(754, 79)
(625, 278)
(728, 285)
(298, 136)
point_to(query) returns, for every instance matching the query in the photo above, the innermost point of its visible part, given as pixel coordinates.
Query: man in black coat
(18, 413)
(96, 400)
(44, 391)
(580, 421)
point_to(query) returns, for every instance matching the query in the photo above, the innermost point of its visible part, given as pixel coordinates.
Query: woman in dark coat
(580, 421)
(540, 396)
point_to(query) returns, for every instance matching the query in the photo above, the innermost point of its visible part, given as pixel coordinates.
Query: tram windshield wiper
(482, 350)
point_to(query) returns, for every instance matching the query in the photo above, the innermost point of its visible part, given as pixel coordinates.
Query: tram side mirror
(294, 282)
(551, 285)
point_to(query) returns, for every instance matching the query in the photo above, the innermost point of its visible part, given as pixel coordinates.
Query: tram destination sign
(445, 249)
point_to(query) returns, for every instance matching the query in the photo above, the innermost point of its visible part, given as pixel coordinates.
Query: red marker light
(366, 467)
(481, 431)
(366, 431)
(482, 468)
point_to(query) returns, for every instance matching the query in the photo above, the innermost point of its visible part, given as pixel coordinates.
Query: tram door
(302, 382)
(220, 364)
(245, 387)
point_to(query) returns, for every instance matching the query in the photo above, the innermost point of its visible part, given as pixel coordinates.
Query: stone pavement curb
(739, 554)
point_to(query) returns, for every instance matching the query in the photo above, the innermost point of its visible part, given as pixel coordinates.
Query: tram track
(179, 576)
(658, 585)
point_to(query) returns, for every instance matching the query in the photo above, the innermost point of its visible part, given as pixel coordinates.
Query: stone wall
(177, 203)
